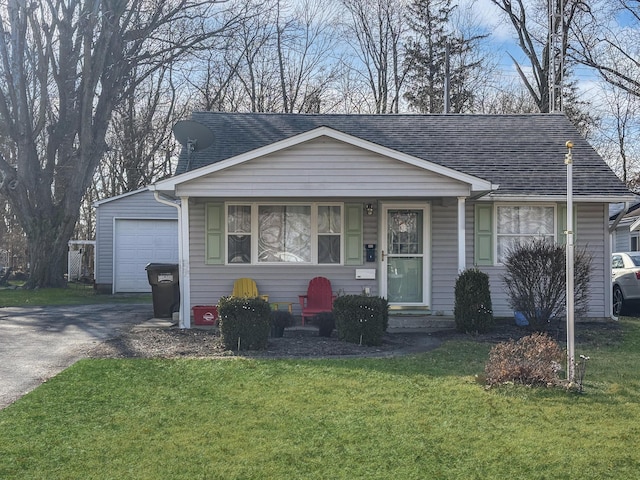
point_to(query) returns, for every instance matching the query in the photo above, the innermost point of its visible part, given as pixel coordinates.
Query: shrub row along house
(390, 205)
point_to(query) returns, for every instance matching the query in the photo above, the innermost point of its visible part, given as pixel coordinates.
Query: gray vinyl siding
(622, 239)
(594, 235)
(444, 257)
(323, 168)
(140, 205)
(591, 232)
(283, 283)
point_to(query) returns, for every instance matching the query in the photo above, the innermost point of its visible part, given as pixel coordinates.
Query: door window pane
(404, 277)
(405, 232)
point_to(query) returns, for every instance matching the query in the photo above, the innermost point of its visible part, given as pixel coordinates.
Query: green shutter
(214, 231)
(483, 234)
(353, 234)
(562, 224)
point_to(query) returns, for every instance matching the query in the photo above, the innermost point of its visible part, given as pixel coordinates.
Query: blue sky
(504, 43)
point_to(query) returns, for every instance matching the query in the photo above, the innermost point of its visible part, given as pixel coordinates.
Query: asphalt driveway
(37, 343)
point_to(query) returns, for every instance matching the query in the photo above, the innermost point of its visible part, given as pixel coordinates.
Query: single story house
(132, 230)
(391, 205)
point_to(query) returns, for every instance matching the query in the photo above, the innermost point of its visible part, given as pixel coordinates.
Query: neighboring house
(283, 198)
(624, 220)
(133, 230)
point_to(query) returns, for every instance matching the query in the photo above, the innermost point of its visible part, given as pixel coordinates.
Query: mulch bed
(306, 343)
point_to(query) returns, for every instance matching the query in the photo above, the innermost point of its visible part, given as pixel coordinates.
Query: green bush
(536, 283)
(472, 310)
(532, 360)
(244, 323)
(361, 319)
(326, 323)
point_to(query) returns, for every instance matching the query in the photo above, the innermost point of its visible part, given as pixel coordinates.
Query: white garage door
(137, 243)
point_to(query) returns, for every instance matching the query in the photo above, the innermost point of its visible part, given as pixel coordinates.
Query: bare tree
(613, 50)
(139, 137)
(531, 23)
(305, 45)
(213, 79)
(617, 140)
(378, 28)
(504, 98)
(13, 245)
(65, 65)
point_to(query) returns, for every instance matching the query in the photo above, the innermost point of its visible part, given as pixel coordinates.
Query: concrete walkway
(38, 343)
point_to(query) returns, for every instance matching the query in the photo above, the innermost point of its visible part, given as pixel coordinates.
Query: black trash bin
(165, 288)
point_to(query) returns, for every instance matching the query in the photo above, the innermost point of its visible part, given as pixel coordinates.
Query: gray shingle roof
(524, 154)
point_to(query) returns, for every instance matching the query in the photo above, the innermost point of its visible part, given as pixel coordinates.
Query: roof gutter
(619, 217)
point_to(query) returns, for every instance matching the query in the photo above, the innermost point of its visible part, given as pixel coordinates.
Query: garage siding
(139, 205)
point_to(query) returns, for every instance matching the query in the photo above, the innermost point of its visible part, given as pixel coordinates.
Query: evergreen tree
(427, 60)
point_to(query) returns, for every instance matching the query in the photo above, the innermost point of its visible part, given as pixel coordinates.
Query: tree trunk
(48, 251)
(65, 67)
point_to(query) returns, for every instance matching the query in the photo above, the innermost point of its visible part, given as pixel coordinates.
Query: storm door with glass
(404, 255)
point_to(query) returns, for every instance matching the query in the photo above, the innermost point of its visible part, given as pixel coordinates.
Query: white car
(625, 276)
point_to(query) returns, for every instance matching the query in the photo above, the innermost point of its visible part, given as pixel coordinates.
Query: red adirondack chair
(319, 298)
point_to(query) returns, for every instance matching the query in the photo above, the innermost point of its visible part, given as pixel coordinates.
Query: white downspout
(185, 271)
(184, 316)
(462, 263)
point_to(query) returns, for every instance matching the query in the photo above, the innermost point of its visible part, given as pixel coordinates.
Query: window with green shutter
(483, 235)
(353, 245)
(214, 232)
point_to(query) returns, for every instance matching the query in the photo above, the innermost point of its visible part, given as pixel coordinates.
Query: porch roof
(523, 154)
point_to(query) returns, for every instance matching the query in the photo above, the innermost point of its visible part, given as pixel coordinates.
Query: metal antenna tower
(556, 54)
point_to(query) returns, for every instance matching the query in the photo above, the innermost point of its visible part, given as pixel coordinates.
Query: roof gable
(524, 154)
(118, 197)
(476, 184)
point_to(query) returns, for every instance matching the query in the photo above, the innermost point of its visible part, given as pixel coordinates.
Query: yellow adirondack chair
(247, 288)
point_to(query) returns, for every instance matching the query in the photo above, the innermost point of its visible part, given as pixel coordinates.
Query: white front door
(405, 254)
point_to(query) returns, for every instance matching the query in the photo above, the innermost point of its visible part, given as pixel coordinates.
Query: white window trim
(255, 234)
(496, 206)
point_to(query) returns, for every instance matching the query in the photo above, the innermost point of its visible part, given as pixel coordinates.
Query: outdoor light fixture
(369, 208)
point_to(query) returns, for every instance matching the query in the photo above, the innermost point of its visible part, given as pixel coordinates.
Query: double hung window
(277, 233)
(520, 224)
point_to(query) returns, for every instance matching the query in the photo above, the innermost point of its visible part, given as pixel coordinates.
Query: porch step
(420, 322)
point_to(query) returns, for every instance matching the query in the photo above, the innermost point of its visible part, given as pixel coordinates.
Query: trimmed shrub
(244, 323)
(532, 360)
(326, 323)
(361, 319)
(473, 311)
(536, 281)
(280, 319)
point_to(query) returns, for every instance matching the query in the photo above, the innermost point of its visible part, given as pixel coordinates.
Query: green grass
(74, 294)
(417, 417)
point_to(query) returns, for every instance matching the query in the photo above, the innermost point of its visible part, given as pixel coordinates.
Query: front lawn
(74, 294)
(417, 417)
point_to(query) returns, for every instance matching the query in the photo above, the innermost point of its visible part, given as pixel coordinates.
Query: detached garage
(133, 230)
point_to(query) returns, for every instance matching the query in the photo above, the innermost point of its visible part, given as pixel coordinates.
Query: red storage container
(205, 314)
